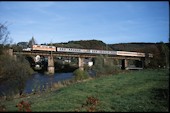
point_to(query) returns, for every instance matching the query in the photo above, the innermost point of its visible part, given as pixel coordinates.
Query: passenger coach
(43, 48)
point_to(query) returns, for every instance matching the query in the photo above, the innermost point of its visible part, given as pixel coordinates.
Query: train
(75, 50)
(40, 48)
(91, 51)
(43, 48)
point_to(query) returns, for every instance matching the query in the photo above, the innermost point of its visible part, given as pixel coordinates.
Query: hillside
(131, 46)
(85, 44)
(100, 45)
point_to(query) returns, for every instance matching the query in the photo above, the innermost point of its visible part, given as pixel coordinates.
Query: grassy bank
(144, 91)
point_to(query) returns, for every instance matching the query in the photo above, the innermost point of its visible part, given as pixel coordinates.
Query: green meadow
(133, 91)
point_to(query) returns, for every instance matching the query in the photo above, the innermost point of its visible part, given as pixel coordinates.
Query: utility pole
(106, 50)
(51, 50)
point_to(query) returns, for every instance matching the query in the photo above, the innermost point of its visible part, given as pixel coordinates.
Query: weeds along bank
(143, 91)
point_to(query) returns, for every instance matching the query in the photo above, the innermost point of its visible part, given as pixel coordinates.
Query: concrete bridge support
(10, 52)
(81, 64)
(124, 64)
(51, 68)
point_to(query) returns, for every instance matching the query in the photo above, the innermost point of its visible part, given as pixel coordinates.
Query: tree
(4, 37)
(22, 44)
(104, 65)
(80, 74)
(98, 65)
(13, 73)
(165, 52)
(4, 34)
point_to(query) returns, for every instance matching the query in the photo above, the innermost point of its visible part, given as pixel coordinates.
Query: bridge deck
(83, 55)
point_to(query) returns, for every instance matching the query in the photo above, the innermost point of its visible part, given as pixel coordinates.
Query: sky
(111, 22)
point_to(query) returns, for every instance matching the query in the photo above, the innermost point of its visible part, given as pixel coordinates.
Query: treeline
(140, 47)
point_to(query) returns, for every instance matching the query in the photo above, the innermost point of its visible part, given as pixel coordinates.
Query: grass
(136, 91)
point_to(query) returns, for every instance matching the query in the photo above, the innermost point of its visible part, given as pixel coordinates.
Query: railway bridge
(124, 56)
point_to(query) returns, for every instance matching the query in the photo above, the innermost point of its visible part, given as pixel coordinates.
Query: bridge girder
(76, 55)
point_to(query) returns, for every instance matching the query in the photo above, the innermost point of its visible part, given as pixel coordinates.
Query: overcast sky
(111, 22)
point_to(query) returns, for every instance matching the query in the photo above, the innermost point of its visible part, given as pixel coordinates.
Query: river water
(37, 81)
(42, 81)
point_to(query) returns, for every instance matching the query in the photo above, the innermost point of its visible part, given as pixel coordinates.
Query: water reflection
(41, 81)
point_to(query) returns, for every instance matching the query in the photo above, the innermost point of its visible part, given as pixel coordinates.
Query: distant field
(136, 91)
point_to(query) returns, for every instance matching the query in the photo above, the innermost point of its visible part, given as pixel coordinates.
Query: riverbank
(135, 91)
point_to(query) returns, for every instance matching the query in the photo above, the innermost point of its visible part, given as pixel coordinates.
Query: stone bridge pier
(124, 64)
(10, 52)
(81, 63)
(51, 68)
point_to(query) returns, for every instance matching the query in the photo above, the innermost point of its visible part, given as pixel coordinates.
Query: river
(37, 81)
(40, 81)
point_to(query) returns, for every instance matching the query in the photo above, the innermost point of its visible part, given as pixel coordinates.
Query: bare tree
(4, 34)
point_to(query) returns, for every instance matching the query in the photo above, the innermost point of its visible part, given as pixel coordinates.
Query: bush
(89, 106)
(24, 106)
(80, 74)
(14, 73)
(104, 65)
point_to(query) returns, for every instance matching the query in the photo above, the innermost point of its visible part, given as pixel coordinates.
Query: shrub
(24, 106)
(90, 105)
(14, 73)
(104, 65)
(80, 74)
